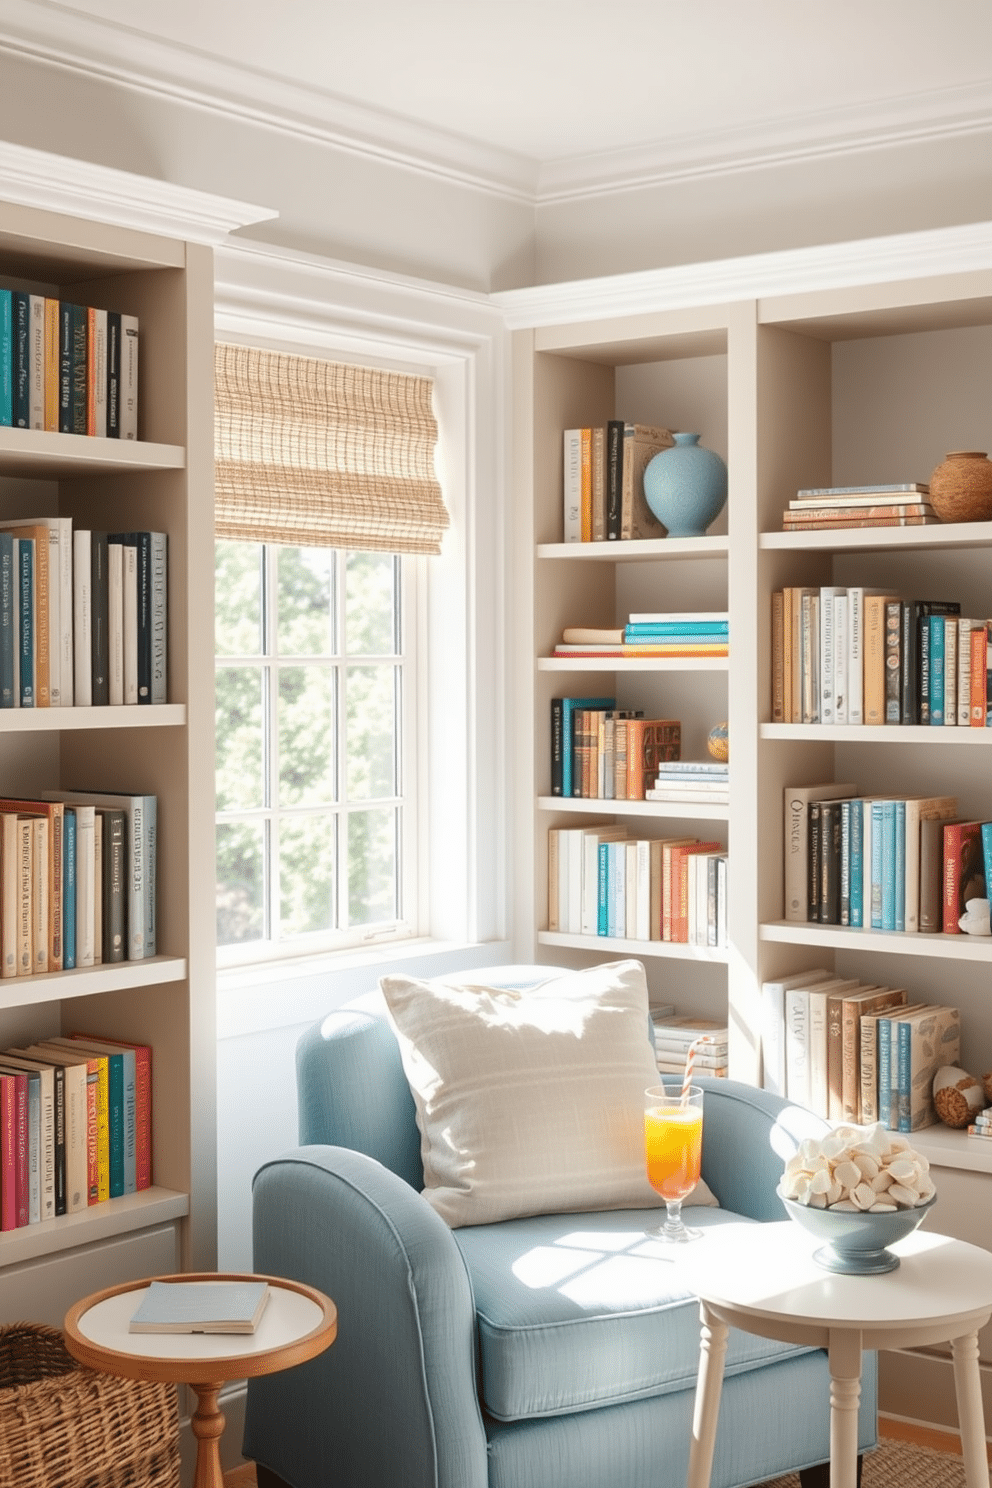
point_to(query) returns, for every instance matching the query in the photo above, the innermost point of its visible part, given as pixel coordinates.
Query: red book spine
(92, 1135)
(962, 860)
(8, 1153)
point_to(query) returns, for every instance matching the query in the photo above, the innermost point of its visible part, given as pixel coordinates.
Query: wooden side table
(763, 1279)
(298, 1323)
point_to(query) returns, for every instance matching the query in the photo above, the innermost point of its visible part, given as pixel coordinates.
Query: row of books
(603, 486)
(837, 507)
(861, 656)
(691, 781)
(78, 881)
(855, 1053)
(75, 1126)
(71, 369)
(904, 863)
(674, 1036)
(600, 882)
(83, 615)
(601, 752)
(684, 633)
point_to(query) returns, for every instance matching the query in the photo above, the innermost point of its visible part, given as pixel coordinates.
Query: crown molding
(915, 118)
(63, 37)
(880, 260)
(56, 183)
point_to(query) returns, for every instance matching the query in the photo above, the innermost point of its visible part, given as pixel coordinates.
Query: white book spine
(65, 630)
(826, 667)
(796, 1046)
(85, 886)
(82, 616)
(817, 1052)
(841, 661)
(965, 628)
(129, 377)
(100, 373)
(643, 920)
(36, 362)
(951, 671)
(572, 492)
(855, 655)
(722, 933)
(115, 625)
(630, 899)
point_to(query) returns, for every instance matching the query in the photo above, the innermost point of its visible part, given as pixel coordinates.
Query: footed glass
(673, 1142)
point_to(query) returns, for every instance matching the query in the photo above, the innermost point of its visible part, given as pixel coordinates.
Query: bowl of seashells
(859, 1189)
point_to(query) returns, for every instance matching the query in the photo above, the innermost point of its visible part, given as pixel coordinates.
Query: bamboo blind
(324, 454)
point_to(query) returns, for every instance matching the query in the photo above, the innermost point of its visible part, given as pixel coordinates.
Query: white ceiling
(536, 86)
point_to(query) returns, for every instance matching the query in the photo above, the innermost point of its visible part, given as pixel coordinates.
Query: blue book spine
(884, 1065)
(570, 784)
(25, 619)
(718, 630)
(888, 865)
(876, 864)
(9, 624)
(936, 669)
(900, 865)
(603, 896)
(22, 358)
(618, 888)
(987, 854)
(923, 681)
(69, 890)
(904, 1076)
(857, 865)
(6, 358)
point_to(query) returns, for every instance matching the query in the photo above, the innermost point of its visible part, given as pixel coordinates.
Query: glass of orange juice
(673, 1141)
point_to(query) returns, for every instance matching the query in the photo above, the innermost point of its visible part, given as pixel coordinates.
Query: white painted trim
(910, 119)
(99, 193)
(787, 271)
(130, 58)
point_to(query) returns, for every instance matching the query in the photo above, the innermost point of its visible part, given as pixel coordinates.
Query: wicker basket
(63, 1426)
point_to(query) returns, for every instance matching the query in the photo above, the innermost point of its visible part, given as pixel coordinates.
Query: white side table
(763, 1279)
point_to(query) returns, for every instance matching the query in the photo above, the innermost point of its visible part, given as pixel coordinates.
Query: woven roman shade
(324, 454)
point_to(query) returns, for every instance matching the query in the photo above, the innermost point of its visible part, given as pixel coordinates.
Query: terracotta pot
(961, 487)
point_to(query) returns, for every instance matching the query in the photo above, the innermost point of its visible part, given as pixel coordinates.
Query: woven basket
(63, 1426)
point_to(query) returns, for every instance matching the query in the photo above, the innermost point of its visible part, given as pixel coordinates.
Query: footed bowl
(855, 1244)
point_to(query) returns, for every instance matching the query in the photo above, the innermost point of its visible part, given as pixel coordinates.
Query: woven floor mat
(897, 1464)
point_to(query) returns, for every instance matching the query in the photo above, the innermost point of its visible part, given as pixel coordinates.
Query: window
(315, 748)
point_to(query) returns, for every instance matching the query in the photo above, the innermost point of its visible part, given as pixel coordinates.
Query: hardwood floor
(240, 1477)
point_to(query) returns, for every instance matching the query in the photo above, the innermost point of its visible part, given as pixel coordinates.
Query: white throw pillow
(530, 1101)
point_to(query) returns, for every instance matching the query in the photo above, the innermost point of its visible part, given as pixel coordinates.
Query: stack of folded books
(839, 507)
(982, 1124)
(667, 633)
(691, 780)
(674, 1036)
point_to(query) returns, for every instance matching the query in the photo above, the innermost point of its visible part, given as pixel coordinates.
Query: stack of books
(75, 1126)
(861, 656)
(855, 1053)
(902, 863)
(603, 485)
(71, 369)
(674, 1036)
(837, 507)
(600, 882)
(600, 752)
(691, 781)
(982, 1125)
(83, 615)
(661, 633)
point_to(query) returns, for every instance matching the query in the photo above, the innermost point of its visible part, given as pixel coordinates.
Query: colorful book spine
(25, 648)
(857, 864)
(22, 359)
(936, 688)
(9, 612)
(6, 358)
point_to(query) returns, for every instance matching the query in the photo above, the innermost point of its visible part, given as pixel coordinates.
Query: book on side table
(200, 1307)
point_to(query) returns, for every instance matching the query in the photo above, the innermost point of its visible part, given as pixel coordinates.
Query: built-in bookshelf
(833, 384)
(159, 482)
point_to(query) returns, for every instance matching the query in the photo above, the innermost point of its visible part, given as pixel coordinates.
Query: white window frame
(298, 303)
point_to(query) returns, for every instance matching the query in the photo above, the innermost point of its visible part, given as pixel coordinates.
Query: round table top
(298, 1323)
(768, 1271)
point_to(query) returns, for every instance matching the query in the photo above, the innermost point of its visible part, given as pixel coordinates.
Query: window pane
(372, 867)
(238, 605)
(371, 605)
(306, 874)
(306, 605)
(240, 882)
(239, 710)
(306, 735)
(371, 732)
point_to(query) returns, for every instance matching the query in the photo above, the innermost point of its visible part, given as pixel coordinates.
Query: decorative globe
(855, 1241)
(718, 742)
(686, 486)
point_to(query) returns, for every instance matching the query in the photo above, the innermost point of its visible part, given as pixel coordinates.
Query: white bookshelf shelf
(910, 733)
(611, 945)
(594, 806)
(865, 539)
(673, 549)
(46, 720)
(633, 663)
(106, 1221)
(890, 942)
(90, 981)
(45, 455)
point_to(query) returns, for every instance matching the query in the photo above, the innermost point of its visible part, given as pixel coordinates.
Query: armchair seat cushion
(576, 1311)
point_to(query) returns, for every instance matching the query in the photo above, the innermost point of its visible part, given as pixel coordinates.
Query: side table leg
(208, 1428)
(845, 1392)
(709, 1383)
(971, 1416)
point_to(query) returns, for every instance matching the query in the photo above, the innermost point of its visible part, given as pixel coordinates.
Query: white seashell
(882, 1208)
(845, 1206)
(835, 1192)
(834, 1146)
(866, 1164)
(904, 1171)
(907, 1198)
(821, 1181)
(863, 1196)
(848, 1173)
(883, 1181)
(817, 1201)
(927, 1190)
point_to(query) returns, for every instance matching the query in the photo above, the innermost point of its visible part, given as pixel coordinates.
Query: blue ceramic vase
(686, 486)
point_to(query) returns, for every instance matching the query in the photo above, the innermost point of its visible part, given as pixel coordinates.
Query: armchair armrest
(394, 1399)
(748, 1136)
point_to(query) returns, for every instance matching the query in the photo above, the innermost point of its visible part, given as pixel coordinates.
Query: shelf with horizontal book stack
(157, 481)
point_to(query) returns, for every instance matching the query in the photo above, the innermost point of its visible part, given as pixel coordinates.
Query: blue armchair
(545, 1352)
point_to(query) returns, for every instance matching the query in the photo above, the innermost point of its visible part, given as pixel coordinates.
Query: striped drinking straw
(690, 1057)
